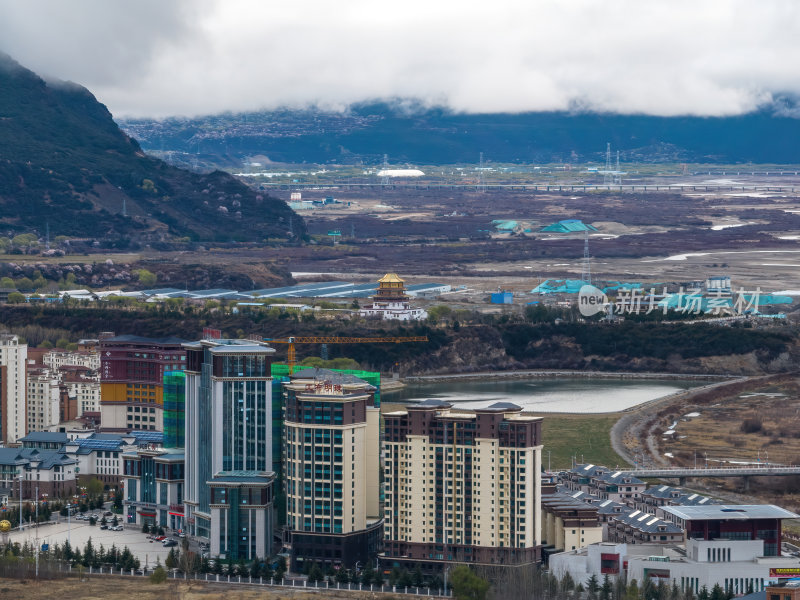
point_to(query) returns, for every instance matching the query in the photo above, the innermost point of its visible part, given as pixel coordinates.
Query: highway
(536, 187)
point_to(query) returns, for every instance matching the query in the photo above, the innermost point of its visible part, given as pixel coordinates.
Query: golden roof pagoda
(391, 288)
(390, 278)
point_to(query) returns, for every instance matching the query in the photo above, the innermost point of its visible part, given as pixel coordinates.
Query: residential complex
(462, 485)
(132, 372)
(332, 468)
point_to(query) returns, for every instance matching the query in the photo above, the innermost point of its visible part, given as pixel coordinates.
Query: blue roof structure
(568, 226)
(148, 437)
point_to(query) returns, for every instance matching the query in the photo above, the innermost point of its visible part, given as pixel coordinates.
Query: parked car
(170, 543)
(103, 526)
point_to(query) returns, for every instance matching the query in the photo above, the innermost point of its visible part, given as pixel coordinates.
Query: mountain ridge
(410, 132)
(65, 163)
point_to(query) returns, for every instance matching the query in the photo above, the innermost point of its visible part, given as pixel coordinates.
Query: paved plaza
(79, 533)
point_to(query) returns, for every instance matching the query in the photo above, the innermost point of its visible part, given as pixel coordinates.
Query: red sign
(784, 572)
(209, 333)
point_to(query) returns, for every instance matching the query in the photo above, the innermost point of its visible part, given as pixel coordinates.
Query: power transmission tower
(481, 182)
(607, 177)
(385, 170)
(586, 276)
(617, 172)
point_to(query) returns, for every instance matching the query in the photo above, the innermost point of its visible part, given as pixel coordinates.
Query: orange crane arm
(290, 358)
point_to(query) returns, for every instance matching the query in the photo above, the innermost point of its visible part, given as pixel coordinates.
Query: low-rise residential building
(637, 527)
(568, 523)
(58, 358)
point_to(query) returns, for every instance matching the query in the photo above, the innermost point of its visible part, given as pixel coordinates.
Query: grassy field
(69, 258)
(113, 588)
(585, 436)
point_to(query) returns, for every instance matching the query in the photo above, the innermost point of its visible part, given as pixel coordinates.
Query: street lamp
(20, 501)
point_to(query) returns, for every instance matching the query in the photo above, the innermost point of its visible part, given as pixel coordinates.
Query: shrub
(159, 575)
(751, 425)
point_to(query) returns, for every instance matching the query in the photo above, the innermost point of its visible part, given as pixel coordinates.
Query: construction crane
(291, 341)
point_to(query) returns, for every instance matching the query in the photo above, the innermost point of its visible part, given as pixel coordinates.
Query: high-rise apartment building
(332, 468)
(228, 436)
(132, 380)
(462, 485)
(43, 398)
(13, 417)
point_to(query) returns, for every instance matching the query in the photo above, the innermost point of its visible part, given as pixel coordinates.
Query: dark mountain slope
(439, 136)
(63, 161)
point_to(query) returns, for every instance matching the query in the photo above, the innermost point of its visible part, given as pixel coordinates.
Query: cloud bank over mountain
(190, 57)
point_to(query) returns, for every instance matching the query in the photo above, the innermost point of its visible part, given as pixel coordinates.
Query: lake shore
(562, 373)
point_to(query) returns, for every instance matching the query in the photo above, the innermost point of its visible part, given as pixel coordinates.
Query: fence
(283, 583)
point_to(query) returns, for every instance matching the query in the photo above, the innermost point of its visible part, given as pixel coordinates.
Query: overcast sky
(189, 57)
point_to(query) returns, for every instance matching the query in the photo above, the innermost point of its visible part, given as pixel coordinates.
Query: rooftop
(729, 512)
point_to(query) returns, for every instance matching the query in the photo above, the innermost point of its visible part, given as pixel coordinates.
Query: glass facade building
(174, 408)
(229, 445)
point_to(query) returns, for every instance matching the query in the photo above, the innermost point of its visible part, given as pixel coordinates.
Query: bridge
(744, 471)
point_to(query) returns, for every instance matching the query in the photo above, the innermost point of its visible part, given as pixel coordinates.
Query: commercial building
(462, 486)
(24, 470)
(154, 487)
(332, 468)
(132, 380)
(13, 416)
(736, 547)
(391, 302)
(228, 435)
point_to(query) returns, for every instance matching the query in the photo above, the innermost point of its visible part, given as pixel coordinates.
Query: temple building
(391, 302)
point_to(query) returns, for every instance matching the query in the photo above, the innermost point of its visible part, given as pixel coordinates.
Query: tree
(25, 284)
(717, 593)
(467, 585)
(7, 282)
(703, 595)
(171, 561)
(342, 576)
(159, 575)
(62, 343)
(605, 591)
(146, 277)
(593, 586)
(418, 577)
(16, 298)
(145, 528)
(315, 573)
(281, 570)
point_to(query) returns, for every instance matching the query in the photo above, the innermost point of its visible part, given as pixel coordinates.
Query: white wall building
(13, 418)
(42, 400)
(79, 358)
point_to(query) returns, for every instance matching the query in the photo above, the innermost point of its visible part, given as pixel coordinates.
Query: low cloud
(189, 57)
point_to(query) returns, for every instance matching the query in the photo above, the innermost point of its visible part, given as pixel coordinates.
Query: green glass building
(174, 408)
